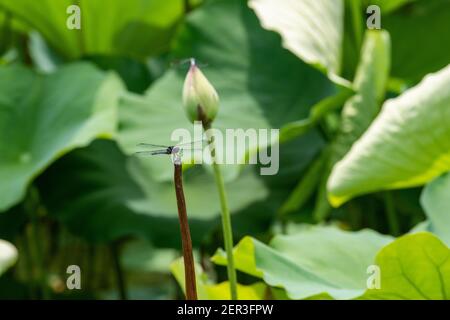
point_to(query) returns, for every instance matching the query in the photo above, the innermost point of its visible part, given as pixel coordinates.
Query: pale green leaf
(357, 114)
(359, 111)
(133, 27)
(316, 261)
(311, 29)
(416, 267)
(435, 201)
(44, 117)
(407, 145)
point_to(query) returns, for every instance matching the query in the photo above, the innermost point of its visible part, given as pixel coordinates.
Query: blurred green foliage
(75, 103)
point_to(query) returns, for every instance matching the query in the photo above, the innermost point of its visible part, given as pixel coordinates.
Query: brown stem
(189, 269)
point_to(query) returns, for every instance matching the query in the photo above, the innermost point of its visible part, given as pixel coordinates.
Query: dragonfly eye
(175, 149)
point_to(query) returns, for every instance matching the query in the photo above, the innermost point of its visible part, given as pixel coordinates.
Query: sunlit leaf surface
(321, 260)
(414, 267)
(133, 28)
(407, 145)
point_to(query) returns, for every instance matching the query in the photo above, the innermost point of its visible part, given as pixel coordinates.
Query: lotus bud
(200, 99)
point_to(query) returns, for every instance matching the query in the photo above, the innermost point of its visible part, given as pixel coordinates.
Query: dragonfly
(157, 149)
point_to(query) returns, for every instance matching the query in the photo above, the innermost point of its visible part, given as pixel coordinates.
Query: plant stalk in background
(31, 206)
(188, 257)
(201, 102)
(118, 272)
(226, 218)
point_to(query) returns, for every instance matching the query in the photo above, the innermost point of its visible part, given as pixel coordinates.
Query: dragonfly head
(175, 149)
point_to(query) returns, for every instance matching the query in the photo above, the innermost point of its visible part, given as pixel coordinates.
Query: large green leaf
(408, 144)
(312, 261)
(416, 267)
(111, 196)
(311, 29)
(115, 27)
(8, 255)
(43, 117)
(254, 92)
(140, 256)
(356, 116)
(435, 201)
(94, 203)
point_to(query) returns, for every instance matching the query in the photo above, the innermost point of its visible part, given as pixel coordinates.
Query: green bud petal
(198, 92)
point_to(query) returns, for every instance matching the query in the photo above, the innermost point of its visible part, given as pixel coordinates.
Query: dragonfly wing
(150, 145)
(192, 149)
(190, 144)
(151, 153)
(160, 152)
